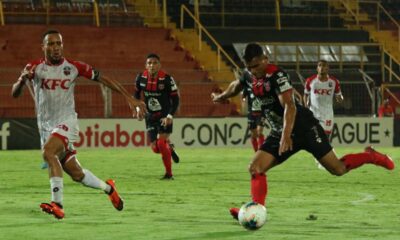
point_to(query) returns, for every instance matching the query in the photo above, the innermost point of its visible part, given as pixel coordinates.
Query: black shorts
(153, 128)
(313, 139)
(254, 120)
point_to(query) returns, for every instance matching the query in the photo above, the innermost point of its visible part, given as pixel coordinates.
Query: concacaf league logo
(67, 70)
(161, 86)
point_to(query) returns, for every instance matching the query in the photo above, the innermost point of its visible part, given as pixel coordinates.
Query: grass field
(361, 205)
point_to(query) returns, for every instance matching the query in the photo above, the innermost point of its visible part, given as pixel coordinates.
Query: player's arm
(289, 115)
(338, 92)
(18, 86)
(339, 98)
(174, 100)
(306, 99)
(298, 96)
(138, 107)
(233, 89)
(138, 89)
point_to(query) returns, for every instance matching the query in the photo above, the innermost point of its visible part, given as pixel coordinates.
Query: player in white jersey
(319, 91)
(54, 79)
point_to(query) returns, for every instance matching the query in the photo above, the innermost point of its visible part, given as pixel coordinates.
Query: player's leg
(52, 150)
(73, 168)
(252, 125)
(261, 163)
(320, 147)
(327, 124)
(254, 138)
(152, 133)
(261, 137)
(174, 154)
(162, 143)
(44, 135)
(263, 160)
(168, 131)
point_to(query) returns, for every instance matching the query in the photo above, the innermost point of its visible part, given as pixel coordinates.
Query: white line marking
(366, 197)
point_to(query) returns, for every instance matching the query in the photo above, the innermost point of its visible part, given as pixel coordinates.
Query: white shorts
(327, 125)
(67, 131)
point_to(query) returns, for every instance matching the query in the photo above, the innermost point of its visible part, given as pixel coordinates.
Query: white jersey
(54, 91)
(321, 95)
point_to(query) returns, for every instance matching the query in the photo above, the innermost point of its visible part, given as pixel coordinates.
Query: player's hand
(216, 97)
(138, 108)
(166, 121)
(286, 144)
(27, 73)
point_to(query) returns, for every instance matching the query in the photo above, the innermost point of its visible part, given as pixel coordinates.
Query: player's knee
(254, 168)
(47, 154)
(154, 147)
(77, 177)
(338, 171)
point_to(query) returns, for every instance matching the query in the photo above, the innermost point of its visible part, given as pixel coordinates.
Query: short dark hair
(153, 55)
(323, 61)
(251, 51)
(50, 31)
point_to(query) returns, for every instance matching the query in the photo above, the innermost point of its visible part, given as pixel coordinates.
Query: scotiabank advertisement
(190, 132)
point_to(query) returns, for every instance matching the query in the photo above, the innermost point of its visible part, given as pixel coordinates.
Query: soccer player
(254, 119)
(319, 91)
(54, 78)
(293, 127)
(162, 101)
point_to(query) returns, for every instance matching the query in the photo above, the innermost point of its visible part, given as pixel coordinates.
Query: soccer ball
(252, 215)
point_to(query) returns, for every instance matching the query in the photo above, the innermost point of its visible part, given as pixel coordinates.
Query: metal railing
(375, 10)
(339, 55)
(200, 28)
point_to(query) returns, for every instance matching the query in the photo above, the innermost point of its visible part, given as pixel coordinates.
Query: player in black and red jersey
(162, 100)
(293, 127)
(255, 120)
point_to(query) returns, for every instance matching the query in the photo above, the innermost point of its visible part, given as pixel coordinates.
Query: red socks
(162, 145)
(155, 148)
(352, 161)
(259, 188)
(254, 143)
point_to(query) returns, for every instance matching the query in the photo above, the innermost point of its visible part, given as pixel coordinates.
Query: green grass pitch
(364, 204)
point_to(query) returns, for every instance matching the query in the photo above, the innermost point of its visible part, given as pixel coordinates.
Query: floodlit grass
(361, 205)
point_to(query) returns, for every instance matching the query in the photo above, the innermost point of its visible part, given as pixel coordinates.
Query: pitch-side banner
(221, 132)
(189, 132)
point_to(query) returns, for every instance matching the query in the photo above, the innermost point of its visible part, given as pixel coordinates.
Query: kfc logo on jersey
(52, 84)
(67, 70)
(323, 91)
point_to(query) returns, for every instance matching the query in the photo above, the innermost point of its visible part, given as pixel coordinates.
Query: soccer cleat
(167, 177)
(235, 213)
(54, 209)
(380, 159)
(116, 200)
(174, 156)
(44, 165)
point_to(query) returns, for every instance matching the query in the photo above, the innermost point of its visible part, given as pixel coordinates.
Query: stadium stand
(116, 55)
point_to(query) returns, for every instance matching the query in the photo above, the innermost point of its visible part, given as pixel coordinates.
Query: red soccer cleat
(235, 213)
(54, 209)
(380, 159)
(116, 200)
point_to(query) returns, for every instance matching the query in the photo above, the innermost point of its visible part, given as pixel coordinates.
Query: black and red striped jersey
(160, 93)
